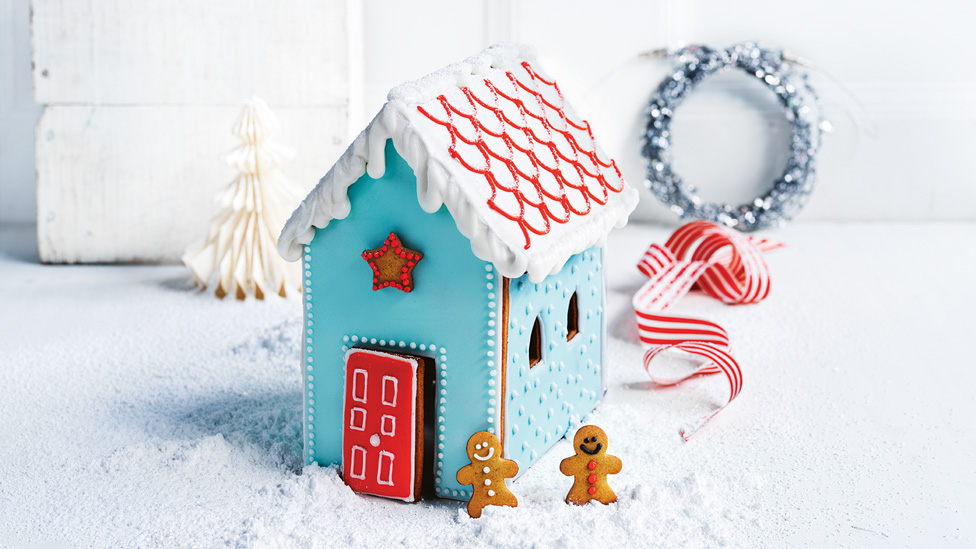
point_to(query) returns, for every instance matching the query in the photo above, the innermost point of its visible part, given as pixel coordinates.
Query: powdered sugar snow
(136, 413)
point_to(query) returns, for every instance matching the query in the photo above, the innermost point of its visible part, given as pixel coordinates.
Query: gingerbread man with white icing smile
(590, 467)
(487, 473)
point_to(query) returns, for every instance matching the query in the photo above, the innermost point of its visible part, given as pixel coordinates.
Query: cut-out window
(535, 343)
(572, 317)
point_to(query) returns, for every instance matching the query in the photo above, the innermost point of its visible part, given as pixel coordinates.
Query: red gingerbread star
(392, 264)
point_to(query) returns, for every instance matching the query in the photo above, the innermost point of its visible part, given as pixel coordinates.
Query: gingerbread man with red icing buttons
(590, 467)
(487, 473)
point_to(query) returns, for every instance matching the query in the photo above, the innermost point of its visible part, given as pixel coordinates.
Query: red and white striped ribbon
(723, 263)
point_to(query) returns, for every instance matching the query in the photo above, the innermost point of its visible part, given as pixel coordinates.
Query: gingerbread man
(487, 473)
(590, 467)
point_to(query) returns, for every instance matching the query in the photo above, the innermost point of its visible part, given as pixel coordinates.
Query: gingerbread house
(453, 277)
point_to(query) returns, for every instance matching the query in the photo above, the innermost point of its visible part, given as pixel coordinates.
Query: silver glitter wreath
(802, 108)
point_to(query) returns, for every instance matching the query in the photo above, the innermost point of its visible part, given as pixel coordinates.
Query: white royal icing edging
(443, 181)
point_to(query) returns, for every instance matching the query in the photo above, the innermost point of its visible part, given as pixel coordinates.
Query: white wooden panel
(898, 41)
(137, 183)
(213, 52)
(406, 40)
(902, 59)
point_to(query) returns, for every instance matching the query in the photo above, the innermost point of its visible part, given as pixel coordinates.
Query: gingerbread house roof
(493, 140)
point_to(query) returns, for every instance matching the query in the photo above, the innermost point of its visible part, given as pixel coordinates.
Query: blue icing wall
(450, 316)
(544, 400)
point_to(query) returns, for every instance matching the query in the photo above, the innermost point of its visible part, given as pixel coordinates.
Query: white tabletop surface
(134, 412)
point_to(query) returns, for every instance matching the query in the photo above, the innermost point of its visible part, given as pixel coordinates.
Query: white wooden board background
(141, 100)
(907, 62)
(111, 189)
(191, 52)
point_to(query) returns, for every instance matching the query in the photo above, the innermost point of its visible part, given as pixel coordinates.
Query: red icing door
(382, 434)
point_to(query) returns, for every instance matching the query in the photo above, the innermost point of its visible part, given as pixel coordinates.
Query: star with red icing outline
(392, 264)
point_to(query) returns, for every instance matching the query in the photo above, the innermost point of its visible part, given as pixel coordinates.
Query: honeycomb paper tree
(238, 256)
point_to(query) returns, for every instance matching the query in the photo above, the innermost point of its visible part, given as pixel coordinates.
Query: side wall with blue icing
(543, 401)
(450, 316)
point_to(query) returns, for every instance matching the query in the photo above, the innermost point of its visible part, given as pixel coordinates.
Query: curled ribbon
(723, 263)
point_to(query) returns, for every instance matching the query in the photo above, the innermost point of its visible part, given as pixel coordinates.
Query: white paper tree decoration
(238, 256)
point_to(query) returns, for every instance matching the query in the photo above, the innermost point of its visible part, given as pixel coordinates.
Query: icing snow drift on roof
(493, 140)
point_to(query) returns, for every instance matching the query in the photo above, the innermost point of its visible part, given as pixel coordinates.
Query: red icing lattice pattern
(541, 164)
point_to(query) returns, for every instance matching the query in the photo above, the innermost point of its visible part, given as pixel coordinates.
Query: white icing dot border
(439, 354)
(493, 340)
(309, 395)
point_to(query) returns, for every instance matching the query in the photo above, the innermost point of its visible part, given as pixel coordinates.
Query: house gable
(449, 316)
